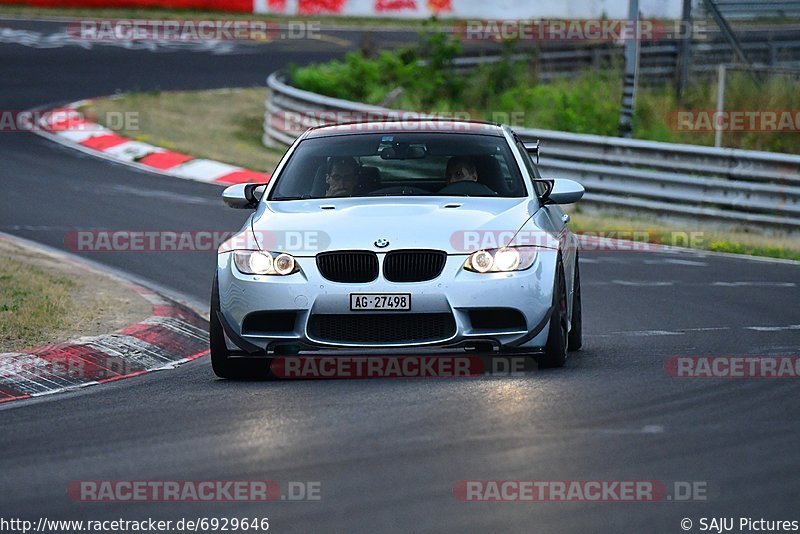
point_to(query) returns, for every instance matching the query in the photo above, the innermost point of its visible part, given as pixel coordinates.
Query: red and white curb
(67, 126)
(173, 334)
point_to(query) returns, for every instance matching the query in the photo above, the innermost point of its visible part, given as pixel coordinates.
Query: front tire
(224, 366)
(555, 351)
(575, 340)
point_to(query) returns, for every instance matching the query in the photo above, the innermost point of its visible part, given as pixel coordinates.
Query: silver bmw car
(399, 235)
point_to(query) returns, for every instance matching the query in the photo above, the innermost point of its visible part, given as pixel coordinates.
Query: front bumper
(455, 292)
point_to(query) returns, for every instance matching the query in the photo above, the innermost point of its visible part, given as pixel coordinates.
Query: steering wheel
(472, 189)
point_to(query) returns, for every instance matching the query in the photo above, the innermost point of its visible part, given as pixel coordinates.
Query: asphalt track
(388, 452)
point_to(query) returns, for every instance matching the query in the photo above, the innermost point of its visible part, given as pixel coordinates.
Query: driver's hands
(336, 189)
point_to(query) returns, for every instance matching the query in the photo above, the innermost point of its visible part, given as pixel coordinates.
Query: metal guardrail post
(631, 78)
(685, 50)
(721, 72)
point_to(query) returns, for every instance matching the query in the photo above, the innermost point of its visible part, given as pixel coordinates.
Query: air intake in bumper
(382, 328)
(269, 322)
(497, 319)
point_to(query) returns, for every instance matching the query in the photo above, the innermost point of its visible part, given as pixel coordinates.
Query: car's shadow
(343, 366)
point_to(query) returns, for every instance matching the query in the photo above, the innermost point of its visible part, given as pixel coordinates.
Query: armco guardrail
(658, 61)
(719, 183)
(761, 9)
(688, 180)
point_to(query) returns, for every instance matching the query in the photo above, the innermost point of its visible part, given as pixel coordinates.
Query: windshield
(398, 164)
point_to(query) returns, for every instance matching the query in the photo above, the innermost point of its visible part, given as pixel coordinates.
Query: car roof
(407, 126)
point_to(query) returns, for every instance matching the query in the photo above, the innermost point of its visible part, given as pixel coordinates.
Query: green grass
(663, 231)
(723, 245)
(33, 303)
(224, 125)
(588, 103)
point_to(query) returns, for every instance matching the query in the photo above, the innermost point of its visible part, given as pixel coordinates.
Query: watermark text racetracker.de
(101, 367)
(733, 366)
(313, 241)
(579, 491)
(293, 241)
(35, 121)
(740, 120)
(588, 240)
(184, 30)
(591, 30)
(132, 491)
(298, 121)
(403, 366)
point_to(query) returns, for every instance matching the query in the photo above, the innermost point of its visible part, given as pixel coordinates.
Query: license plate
(380, 301)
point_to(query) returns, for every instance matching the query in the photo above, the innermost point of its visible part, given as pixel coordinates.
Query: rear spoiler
(533, 149)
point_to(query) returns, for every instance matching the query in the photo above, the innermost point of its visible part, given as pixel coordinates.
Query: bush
(509, 91)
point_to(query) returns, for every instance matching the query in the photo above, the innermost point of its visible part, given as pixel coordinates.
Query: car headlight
(270, 263)
(501, 260)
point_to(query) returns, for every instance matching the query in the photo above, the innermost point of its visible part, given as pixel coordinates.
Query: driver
(342, 177)
(461, 169)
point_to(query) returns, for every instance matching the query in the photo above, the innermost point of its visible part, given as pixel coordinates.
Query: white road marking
(39, 40)
(647, 429)
(773, 328)
(682, 331)
(647, 333)
(754, 284)
(641, 283)
(667, 283)
(674, 261)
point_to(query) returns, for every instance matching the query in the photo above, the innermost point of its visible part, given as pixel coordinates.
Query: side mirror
(563, 191)
(243, 196)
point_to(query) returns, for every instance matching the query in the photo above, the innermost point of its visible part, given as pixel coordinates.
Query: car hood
(449, 224)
